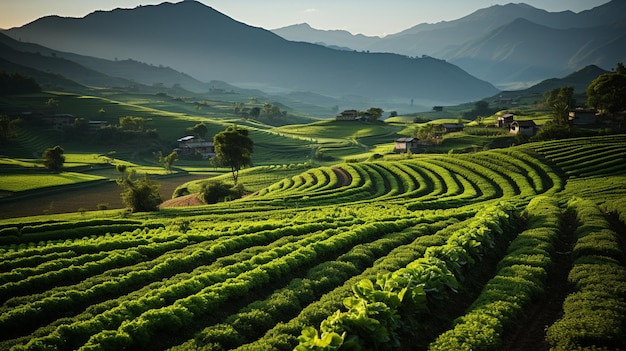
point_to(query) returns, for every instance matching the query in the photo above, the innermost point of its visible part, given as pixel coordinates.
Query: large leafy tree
(607, 93)
(233, 148)
(560, 100)
(53, 158)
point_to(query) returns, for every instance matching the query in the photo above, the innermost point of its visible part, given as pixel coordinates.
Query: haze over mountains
(208, 45)
(510, 45)
(196, 47)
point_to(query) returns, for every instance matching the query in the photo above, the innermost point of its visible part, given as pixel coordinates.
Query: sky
(369, 17)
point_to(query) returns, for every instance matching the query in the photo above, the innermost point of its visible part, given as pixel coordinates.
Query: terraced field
(433, 252)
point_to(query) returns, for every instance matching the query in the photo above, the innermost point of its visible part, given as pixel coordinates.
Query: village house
(451, 127)
(94, 125)
(581, 117)
(406, 144)
(505, 120)
(59, 121)
(347, 115)
(528, 128)
(191, 145)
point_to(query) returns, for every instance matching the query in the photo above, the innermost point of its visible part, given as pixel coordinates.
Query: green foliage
(233, 148)
(8, 128)
(560, 101)
(215, 191)
(199, 129)
(53, 158)
(139, 195)
(607, 93)
(168, 160)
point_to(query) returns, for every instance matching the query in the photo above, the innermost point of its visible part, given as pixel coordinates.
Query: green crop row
(374, 311)
(520, 279)
(166, 265)
(284, 335)
(595, 312)
(253, 321)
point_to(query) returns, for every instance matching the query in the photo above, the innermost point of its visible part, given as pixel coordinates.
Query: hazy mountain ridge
(207, 45)
(488, 30)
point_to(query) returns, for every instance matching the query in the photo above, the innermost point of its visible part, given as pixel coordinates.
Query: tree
(233, 148)
(255, 112)
(560, 100)
(607, 93)
(168, 160)
(200, 129)
(53, 158)
(375, 113)
(139, 195)
(8, 128)
(52, 103)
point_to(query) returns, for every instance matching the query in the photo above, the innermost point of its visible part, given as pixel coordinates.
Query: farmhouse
(451, 127)
(505, 120)
(191, 145)
(59, 121)
(523, 127)
(95, 125)
(580, 117)
(406, 144)
(348, 115)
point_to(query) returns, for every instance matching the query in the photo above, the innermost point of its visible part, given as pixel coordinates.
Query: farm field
(431, 252)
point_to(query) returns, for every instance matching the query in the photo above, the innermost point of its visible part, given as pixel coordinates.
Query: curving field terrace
(436, 252)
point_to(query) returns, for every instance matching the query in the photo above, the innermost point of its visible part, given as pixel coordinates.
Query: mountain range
(205, 44)
(511, 46)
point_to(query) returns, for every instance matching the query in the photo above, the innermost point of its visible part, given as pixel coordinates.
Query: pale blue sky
(357, 16)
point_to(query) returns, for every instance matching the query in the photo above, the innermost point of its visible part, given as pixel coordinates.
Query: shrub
(140, 195)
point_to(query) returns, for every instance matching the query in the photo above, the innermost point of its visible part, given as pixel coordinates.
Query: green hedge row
(519, 280)
(595, 312)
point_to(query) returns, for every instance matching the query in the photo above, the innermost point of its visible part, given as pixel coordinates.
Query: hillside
(472, 238)
(249, 57)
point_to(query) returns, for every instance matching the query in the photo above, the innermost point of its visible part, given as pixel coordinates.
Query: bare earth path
(87, 198)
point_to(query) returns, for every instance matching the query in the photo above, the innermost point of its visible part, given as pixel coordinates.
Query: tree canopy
(560, 100)
(199, 129)
(139, 195)
(607, 93)
(53, 158)
(233, 148)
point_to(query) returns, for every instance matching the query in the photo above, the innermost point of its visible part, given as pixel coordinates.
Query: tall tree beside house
(200, 129)
(375, 113)
(53, 158)
(607, 93)
(233, 148)
(560, 101)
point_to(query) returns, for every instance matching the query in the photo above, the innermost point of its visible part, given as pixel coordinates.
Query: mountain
(524, 51)
(331, 38)
(579, 80)
(207, 45)
(489, 42)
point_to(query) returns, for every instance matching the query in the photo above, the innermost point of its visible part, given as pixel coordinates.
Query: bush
(140, 195)
(214, 192)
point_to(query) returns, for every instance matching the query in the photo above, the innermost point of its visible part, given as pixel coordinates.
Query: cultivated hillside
(478, 251)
